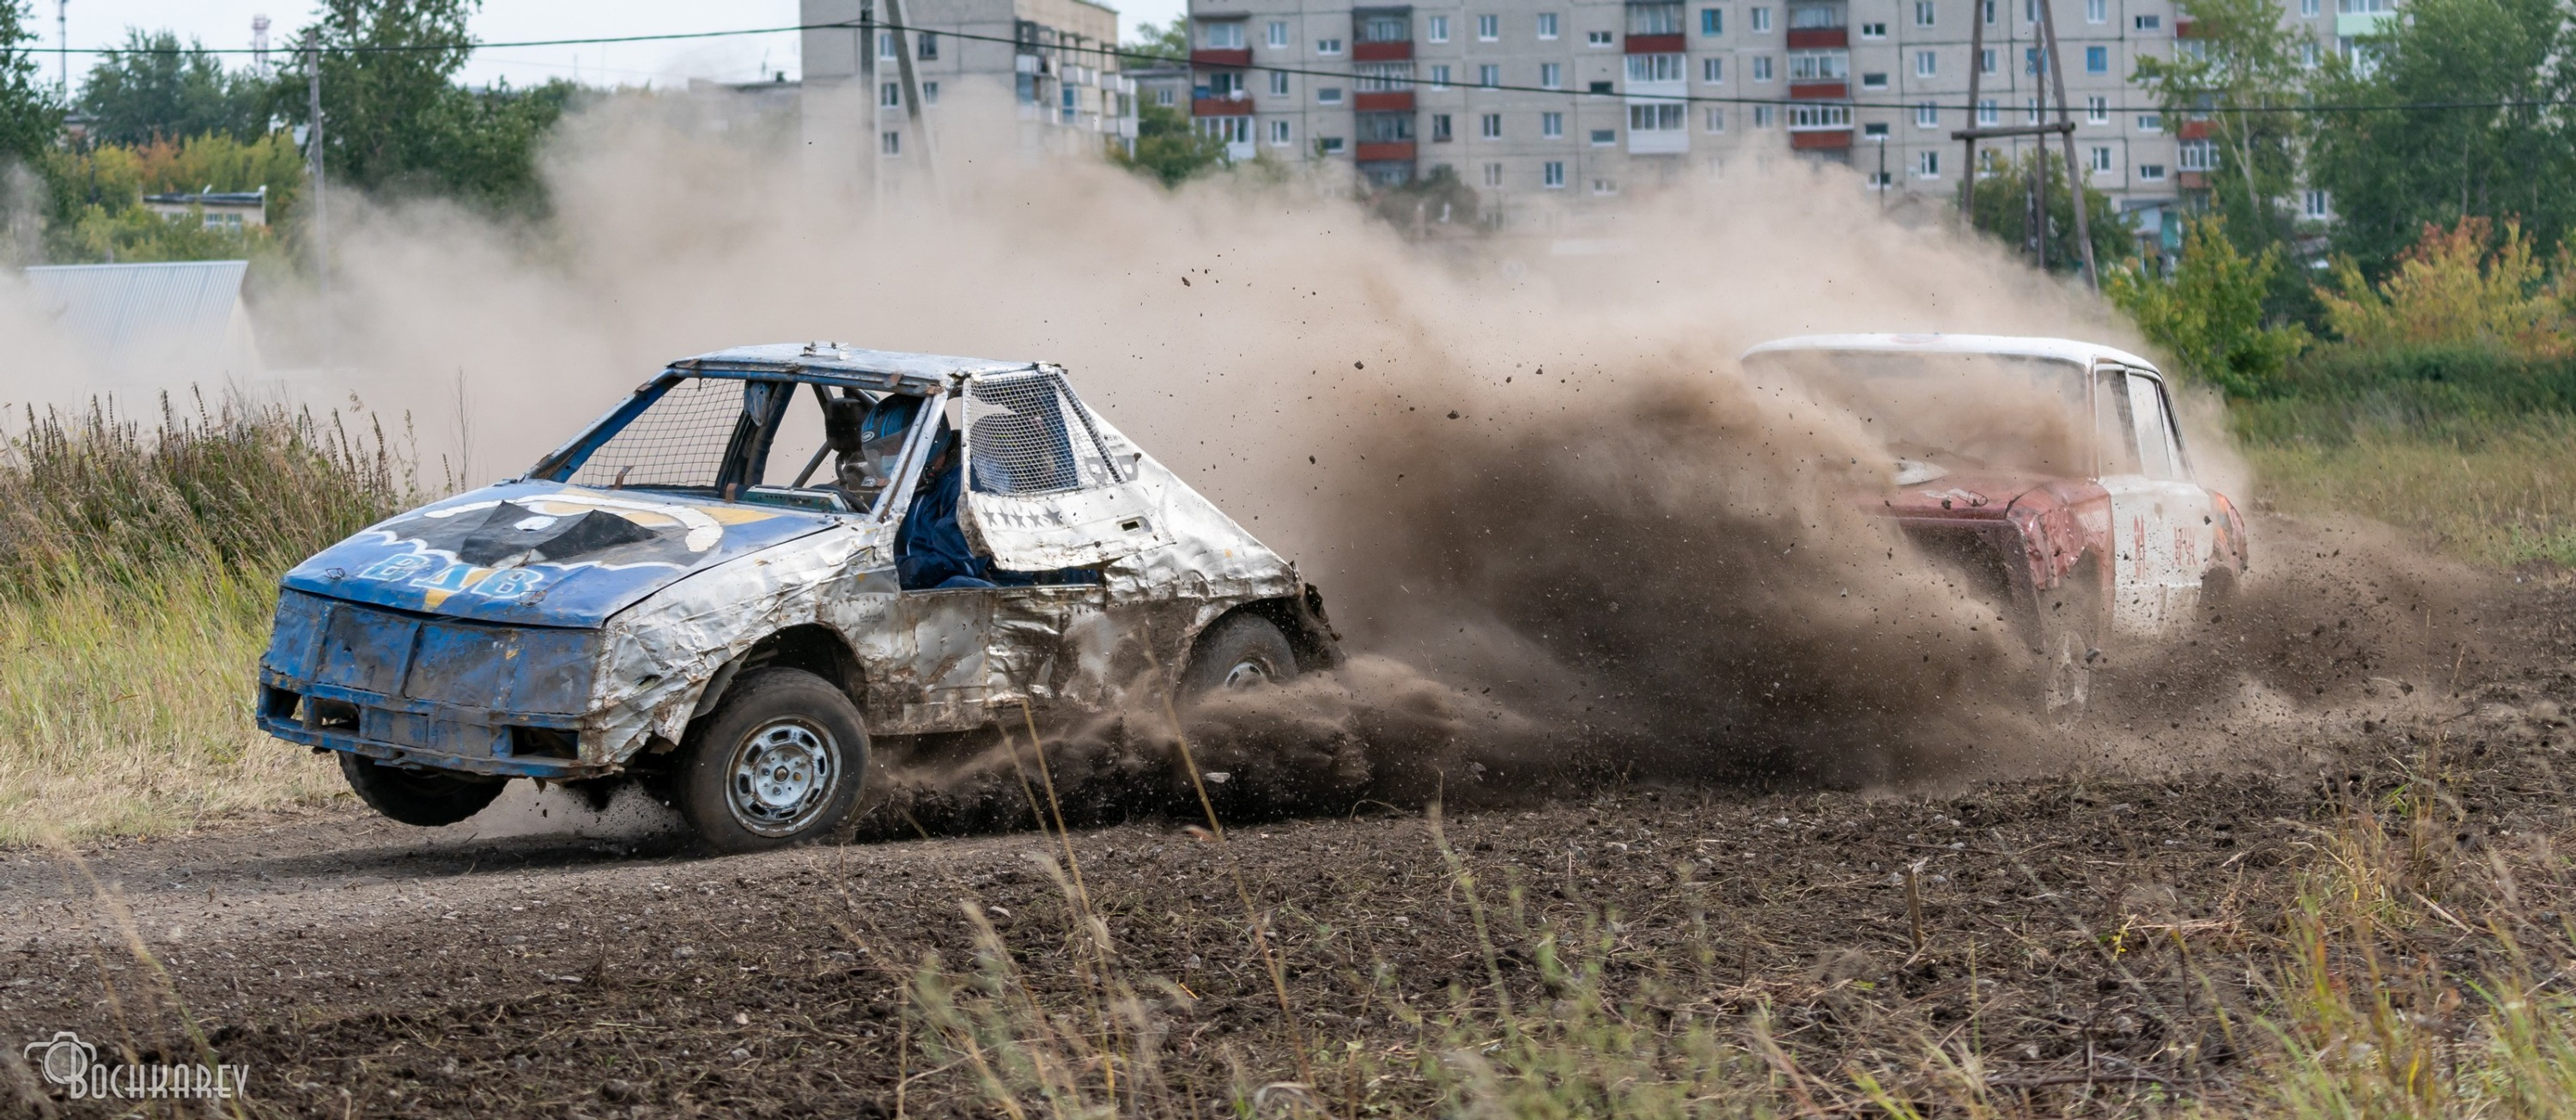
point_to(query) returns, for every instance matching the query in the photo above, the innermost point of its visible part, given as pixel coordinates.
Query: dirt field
(2082, 944)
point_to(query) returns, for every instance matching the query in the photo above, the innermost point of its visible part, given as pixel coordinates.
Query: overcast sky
(227, 23)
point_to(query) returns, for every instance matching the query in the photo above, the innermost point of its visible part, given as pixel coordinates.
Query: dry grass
(2504, 499)
(137, 579)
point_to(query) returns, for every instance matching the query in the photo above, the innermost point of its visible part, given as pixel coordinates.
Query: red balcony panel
(1380, 153)
(1655, 44)
(2182, 29)
(1821, 139)
(1241, 57)
(1393, 51)
(1820, 37)
(1400, 101)
(2191, 180)
(1221, 107)
(2193, 130)
(1825, 91)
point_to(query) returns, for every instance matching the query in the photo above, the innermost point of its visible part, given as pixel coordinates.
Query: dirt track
(363, 968)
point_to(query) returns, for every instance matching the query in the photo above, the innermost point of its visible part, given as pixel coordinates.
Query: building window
(930, 93)
(889, 95)
(1547, 25)
(926, 46)
(1762, 68)
(1276, 35)
(1278, 84)
(1876, 131)
(1166, 96)
(1439, 29)
(1600, 39)
(1712, 21)
(1278, 134)
(2030, 110)
(1384, 77)
(2309, 8)
(1601, 87)
(1716, 120)
(891, 143)
(1489, 75)
(1988, 115)
(2097, 110)
(2196, 155)
(1328, 95)
(1762, 115)
(1658, 117)
(1551, 126)
(1604, 137)
(1712, 70)
(2097, 11)
(1654, 68)
(1761, 19)
(886, 43)
(1925, 14)
(1440, 128)
(1926, 64)
(1489, 28)
(1224, 35)
(2101, 158)
(1605, 186)
(1811, 117)
(1927, 165)
(1328, 46)
(1493, 174)
(1490, 126)
(1330, 145)
(2316, 205)
(1873, 31)
(1439, 76)
(1873, 81)
(1986, 61)
(2151, 173)
(1927, 115)
(1551, 75)
(2147, 23)
(1551, 175)
(1804, 66)
(2097, 60)
(2309, 54)
(2151, 122)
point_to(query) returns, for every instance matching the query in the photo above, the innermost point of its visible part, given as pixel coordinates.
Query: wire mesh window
(678, 441)
(1028, 435)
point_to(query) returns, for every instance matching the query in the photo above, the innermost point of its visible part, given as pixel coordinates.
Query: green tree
(2002, 208)
(2240, 61)
(156, 88)
(29, 117)
(1168, 42)
(2208, 316)
(2394, 172)
(1169, 145)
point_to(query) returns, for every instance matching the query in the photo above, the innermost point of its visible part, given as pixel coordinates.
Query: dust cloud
(1566, 533)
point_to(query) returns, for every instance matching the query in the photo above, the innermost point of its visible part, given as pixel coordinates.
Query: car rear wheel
(1241, 651)
(778, 762)
(427, 799)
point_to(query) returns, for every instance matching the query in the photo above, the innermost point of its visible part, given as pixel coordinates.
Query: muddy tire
(413, 797)
(778, 762)
(1241, 651)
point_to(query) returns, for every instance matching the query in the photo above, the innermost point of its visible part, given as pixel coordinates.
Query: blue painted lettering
(395, 567)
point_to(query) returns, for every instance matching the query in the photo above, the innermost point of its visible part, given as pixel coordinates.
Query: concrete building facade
(871, 98)
(1573, 99)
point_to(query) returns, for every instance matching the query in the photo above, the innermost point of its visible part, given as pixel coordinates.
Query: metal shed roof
(137, 312)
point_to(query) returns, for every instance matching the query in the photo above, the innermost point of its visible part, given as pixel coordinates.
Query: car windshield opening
(1935, 413)
(784, 443)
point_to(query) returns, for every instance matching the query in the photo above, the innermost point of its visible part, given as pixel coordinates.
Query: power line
(1149, 56)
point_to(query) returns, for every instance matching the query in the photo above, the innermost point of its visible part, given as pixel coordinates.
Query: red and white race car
(2051, 471)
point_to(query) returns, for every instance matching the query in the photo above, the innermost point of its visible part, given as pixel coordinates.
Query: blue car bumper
(427, 690)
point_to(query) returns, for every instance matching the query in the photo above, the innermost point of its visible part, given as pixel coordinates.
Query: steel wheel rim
(781, 777)
(1247, 673)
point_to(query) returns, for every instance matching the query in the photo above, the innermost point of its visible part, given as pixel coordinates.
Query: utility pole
(904, 41)
(313, 158)
(63, 39)
(2066, 131)
(1976, 71)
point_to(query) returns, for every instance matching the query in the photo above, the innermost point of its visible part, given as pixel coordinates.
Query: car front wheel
(778, 762)
(1241, 651)
(421, 798)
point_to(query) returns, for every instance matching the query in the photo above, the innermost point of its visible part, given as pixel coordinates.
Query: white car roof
(2058, 349)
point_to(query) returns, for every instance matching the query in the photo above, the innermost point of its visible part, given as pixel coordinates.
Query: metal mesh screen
(678, 440)
(1028, 435)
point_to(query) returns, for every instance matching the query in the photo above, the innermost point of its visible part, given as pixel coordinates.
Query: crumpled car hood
(542, 553)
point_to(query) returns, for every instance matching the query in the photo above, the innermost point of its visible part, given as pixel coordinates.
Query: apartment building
(1051, 65)
(1537, 99)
